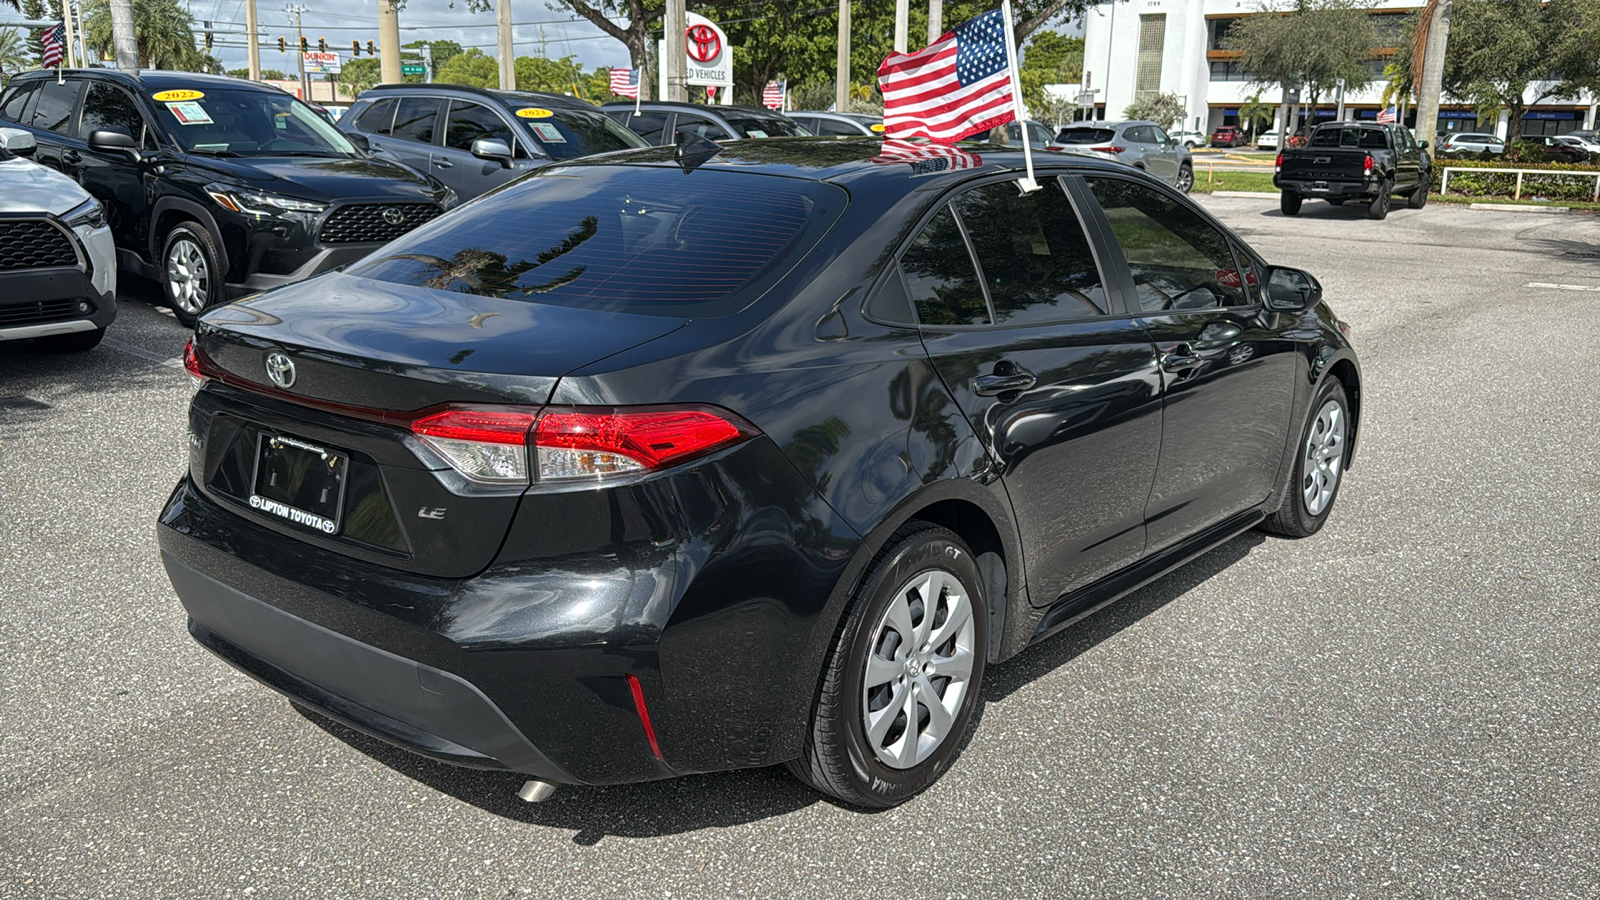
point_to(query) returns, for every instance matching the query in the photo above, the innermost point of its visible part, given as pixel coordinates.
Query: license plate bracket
(299, 482)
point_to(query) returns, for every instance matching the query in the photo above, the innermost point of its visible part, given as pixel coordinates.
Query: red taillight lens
(1279, 163)
(191, 362)
(1109, 149)
(1366, 164)
(582, 443)
(486, 445)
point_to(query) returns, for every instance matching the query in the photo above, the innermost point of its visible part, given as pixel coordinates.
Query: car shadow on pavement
(723, 799)
(26, 371)
(1576, 251)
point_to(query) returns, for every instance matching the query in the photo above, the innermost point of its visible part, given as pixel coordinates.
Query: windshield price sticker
(548, 132)
(189, 113)
(534, 112)
(178, 96)
(756, 133)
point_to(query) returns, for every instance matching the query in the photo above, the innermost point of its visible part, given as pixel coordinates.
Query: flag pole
(1028, 185)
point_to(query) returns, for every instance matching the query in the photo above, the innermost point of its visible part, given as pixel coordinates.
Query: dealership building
(1180, 47)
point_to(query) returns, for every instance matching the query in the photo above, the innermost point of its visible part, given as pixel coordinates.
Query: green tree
(266, 74)
(1512, 54)
(15, 55)
(1162, 109)
(1310, 45)
(1253, 114)
(165, 30)
(361, 74)
(554, 76)
(472, 68)
(1049, 58)
(443, 51)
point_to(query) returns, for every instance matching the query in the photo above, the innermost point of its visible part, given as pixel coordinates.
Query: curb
(1245, 194)
(1517, 208)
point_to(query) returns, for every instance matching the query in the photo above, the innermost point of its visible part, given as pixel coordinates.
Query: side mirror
(107, 140)
(360, 140)
(1422, 144)
(487, 148)
(1291, 290)
(17, 141)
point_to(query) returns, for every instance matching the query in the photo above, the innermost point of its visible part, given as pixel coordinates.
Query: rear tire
(1379, 207)
(1419, 197)
(1318, 472)
(190, 276)
(72, 342)
(882, 726)
(1289, 202)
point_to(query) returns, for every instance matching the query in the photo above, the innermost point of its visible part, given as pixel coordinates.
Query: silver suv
(1143, 145)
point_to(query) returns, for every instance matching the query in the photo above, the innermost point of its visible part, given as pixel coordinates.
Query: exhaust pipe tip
(536, 791)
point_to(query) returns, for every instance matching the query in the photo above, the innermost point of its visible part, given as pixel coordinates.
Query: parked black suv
(475, 140)
(217, 186)
(662, 122)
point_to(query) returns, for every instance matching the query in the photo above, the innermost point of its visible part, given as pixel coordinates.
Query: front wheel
(1318, 469)
(901, 683)
(1289, 202)
(1185, 179)
(189, 272)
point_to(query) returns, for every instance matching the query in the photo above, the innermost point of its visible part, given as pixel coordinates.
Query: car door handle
(1179, 358)
(1007, 378)
(443, 163)
(71, 156)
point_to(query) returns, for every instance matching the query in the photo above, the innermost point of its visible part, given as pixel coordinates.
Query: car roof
(693, 107)
(155, 79)
(510, 98)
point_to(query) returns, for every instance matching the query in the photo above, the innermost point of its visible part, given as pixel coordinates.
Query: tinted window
(640, 239)
(647, 125)
(414, 119)
(1178, 260)
(470, 122)
(1157, 136)
(940, 276)
(746, 125)
(1038, 134)
(106, 107)
(378, 117)
(1357, 138)
(1085, 135)
(1033, 253)
(12, 110)
(55, 106)
(832, 128)
(571, 133)
(699, 126)
(1139, 134)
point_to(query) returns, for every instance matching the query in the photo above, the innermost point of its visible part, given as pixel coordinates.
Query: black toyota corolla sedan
(673, 462)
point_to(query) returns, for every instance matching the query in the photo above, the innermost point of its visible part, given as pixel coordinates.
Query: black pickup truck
(1355, 161)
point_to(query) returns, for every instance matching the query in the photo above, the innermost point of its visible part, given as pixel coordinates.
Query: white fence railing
(1444, 183)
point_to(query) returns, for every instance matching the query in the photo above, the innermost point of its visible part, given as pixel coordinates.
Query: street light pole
(841, 77)
(388, 43)
(508, 59)
(675, 67)
(254, 39)
(902, 24)
(299, 55)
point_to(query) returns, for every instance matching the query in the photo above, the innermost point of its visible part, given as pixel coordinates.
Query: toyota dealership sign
(710, 57)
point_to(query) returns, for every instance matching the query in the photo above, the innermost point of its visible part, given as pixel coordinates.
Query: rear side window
(473, 122)
(940, 276)
(644, 239)
(747, 126)
(55, 106)
(699, 126)
(1178, 260)
(109, 108)
(1086, 136)
(647, 125)
(11, 111)
(378, 117)
(1034, 256)
(414, 119)
(830, 127)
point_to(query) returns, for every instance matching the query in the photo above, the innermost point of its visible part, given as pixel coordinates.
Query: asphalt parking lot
(1403, 705)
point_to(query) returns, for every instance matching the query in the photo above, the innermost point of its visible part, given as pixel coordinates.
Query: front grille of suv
(32, 313)
(34, 244)
(363, 223)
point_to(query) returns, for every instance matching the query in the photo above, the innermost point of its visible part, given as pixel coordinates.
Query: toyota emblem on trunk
(393, 216)
(280, 370)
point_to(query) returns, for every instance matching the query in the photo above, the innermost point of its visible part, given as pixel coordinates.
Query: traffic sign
(413, 69)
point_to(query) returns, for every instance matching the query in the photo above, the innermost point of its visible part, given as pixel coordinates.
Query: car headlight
(88, 214)
(260, 203)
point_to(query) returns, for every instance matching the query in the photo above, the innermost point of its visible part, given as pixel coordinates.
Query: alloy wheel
(188, 276)
(1185, 180)
(918, 670)
(1324, 458)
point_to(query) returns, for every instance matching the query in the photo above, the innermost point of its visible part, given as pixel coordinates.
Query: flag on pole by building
(625, 82)
(957, 86)
(1386, 116)
(52, 45)
(772, 95)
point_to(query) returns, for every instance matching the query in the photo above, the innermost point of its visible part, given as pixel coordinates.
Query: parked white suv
(58, 266)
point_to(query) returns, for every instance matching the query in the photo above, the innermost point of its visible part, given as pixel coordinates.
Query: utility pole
(123, 40)
(388, 43)
(841, 77)
(254, 39)
(74, 60)
(299, 55)
(508, 59)
(1433, 73)
(902, 24)
(676, 65)
(935, 19)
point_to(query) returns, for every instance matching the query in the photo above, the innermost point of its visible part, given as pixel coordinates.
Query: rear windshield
(748, 126)
(571, 133)
(1085, 136)
(1356, 138)
(644, 239)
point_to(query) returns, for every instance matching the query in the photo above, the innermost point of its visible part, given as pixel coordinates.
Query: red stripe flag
(957, 86)
(772, 94)
(926, 159)
(52, 46)
(625, 82)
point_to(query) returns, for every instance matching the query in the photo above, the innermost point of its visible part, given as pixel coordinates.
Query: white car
(58, 265)
(1190, 139)
(1268, 140)
(1573, 140)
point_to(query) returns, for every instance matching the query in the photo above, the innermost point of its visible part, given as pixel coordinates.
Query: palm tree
(14, 53)
(165, 30)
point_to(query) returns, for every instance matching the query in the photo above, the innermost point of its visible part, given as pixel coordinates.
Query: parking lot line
(1563, 287)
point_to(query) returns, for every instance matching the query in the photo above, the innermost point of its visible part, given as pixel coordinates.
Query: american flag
(52, 45)
(926, 159)
(772, 95)
(957, 86)
(1386, 116)
(625, 82)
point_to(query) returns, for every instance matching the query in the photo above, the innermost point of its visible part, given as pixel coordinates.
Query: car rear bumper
(1336, 189)
(42, 302)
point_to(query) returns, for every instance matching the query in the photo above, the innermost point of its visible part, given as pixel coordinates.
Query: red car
(1227, 136)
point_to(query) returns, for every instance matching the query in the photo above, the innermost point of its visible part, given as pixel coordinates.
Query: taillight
(1279, 163)
(486, 445)
(1109, 149)
(1366, 164)
(589, 443)
(496, 445)
(191, 362)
